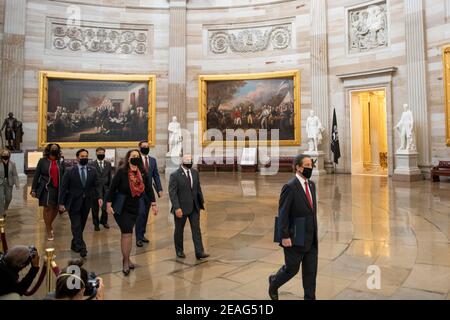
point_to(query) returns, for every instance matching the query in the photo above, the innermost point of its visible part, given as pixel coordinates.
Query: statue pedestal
(406, 167)
(318, 157)
(172, 164)
(19, 159)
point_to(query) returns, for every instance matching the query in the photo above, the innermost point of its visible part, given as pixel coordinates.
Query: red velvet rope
(4, 243)
(56, 270)
(38, 283)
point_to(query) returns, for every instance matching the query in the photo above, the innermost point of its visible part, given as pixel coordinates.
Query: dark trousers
(293, 258)
(95, 214)
(194, 221)
(78, 221)
(141, 222)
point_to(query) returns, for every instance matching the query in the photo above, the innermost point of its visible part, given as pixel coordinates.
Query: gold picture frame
(204, 80)
(149, 109)
(446, 64)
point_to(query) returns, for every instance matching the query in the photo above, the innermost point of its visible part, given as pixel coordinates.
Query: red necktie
(308, 195)
(146, 164)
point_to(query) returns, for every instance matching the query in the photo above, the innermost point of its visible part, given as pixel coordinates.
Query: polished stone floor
(363, 221)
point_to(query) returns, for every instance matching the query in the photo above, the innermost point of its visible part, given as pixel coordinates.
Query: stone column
(12, 77)
(416, 75)
(177, 61)
(319, 71)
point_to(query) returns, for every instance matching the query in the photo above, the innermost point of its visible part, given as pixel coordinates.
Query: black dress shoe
(273, 292)
(83, 253)
(145, 240)
(181, 255)
(202, 256)
(96, 228)
(106, 226)
(139, 243)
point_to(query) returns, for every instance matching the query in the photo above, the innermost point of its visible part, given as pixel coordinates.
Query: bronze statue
(13, 132)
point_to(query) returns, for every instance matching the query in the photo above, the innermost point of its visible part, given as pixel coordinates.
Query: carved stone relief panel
(368, 27)
(250, 39)
(99, 38)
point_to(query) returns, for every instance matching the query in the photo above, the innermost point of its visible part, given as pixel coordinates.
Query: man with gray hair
(12, 263)
(186, 197)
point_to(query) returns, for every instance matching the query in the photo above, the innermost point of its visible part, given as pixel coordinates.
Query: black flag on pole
(335, 139)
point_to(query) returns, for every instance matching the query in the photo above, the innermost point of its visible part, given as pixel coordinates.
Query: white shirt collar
(301, 179)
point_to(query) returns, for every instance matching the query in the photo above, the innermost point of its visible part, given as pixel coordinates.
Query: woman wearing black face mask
(8, 178)
(131, 189)
(46, 183)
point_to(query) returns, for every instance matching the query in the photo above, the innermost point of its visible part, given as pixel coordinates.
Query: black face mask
(187, 165)
(307, 172)
(54, 153)
(5, 158)
(101, 157)
(135, 161)
(145, 151)
(84, 161)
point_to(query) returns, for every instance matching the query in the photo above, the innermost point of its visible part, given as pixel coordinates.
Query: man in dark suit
(104, 174)
(186, 197)
(151, 167)
(298, 201)
(79, 189)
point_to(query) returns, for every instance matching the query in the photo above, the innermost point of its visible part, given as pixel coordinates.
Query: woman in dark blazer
(131, 185)
(46, 182)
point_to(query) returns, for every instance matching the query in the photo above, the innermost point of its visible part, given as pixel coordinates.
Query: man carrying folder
(297, 229)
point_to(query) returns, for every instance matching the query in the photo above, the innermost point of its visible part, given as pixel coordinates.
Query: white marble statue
(175, 138)
(314, 131)
(405, 129)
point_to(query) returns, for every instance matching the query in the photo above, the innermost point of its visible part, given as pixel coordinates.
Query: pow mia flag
(335, 139)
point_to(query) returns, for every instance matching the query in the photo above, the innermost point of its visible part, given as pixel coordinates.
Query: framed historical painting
(446, 62)
(90, 110)
(264, 108)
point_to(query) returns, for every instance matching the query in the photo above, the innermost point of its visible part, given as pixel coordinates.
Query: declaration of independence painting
(251, 103)
(88, 110)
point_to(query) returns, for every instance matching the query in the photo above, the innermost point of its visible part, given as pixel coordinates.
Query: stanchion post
(2, 231)
(49, 256)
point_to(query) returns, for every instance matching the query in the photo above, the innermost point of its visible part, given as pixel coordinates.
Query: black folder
(117, 203)
(297, 234)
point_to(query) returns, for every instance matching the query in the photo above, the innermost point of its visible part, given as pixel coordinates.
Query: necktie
(308, 195)
(83, 176)
(101, 165)
(189, 178)
(146, 164)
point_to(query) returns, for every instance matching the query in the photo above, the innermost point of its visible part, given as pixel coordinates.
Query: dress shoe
(181, 255)
(273, 292)
(83, 253)
(106, 226)
(139, 243)
(96, 228)
(75, 250)
(145, 240)
(202, 256)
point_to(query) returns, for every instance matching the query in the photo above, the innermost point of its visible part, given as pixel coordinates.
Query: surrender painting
(259, 102)
(82, 110)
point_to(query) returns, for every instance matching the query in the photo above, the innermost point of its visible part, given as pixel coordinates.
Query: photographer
(75, 283)
(12, 263)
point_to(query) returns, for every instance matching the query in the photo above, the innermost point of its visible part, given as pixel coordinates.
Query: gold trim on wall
(43, 106)
(446, 64)
(202, 106)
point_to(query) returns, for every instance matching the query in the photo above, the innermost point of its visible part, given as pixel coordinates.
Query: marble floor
(401, 228)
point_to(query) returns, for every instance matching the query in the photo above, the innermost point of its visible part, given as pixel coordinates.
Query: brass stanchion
(2, 231)
(49, 256)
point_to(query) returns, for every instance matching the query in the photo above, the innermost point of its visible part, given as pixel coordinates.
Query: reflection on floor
(401, 228)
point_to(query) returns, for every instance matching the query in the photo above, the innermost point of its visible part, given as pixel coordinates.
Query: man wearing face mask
(8, 178)
(151, 169)
(186, 197)
(298, 203)
(12, 263)
(104, 174)
(80, 187)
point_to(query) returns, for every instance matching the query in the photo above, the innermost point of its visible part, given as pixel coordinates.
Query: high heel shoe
(131, 266)
(51, 237)
(125, 270)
